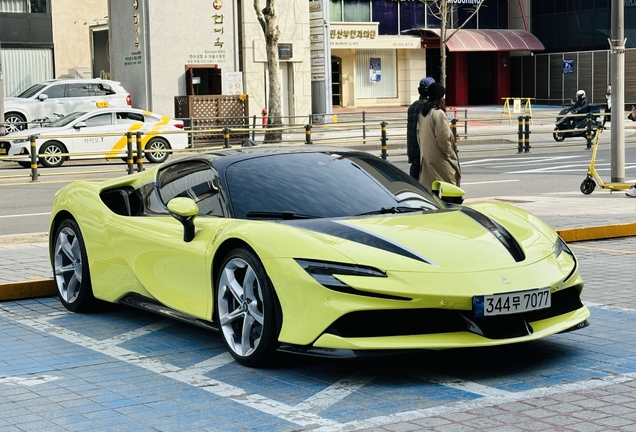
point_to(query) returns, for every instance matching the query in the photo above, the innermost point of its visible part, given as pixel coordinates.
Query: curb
(598, 232)
(27, 289)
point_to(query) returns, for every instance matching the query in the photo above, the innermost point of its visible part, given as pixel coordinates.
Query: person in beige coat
(438, 149)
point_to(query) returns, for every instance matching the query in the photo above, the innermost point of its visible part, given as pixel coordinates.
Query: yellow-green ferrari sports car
(313, 250)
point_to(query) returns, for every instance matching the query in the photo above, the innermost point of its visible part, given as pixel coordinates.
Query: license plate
(3, 151)
(101, 104)
(511, 303)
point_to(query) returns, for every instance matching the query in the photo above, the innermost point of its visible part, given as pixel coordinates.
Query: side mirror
(448, 192)
(79, 125)
(184, 210)
(42, 97)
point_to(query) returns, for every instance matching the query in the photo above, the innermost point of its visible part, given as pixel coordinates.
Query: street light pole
(617, 65)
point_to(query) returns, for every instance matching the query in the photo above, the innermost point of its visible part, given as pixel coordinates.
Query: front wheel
(558, 135)
(156, 150)
(246, 309)
(50, 154)
(70, 267)
(14, 122)
(587, 186)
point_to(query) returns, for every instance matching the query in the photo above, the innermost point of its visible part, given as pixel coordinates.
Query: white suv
(62, 96)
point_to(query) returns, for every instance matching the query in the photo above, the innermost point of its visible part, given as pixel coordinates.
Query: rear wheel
(587, 186)
(155, 150)
(246, 309)
(50, 154)
(14, 122)
(558, 136)
(70, 267)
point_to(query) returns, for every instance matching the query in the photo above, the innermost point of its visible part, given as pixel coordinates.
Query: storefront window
(335, 10)
(412, 15)
(24, 6)
(380, 80)
(386, 13)
(357, 10)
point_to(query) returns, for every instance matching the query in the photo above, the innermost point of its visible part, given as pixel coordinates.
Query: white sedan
(97, 134)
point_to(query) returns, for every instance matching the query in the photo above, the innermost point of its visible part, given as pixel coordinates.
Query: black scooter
(567, 125)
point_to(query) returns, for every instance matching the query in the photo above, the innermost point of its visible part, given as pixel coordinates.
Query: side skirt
(154, 306)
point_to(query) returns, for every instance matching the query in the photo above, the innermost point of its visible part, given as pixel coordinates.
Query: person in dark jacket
(412, 146)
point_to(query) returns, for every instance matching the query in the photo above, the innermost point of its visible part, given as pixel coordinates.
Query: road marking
(459, 384)
(141, 331)
(25, 215)
(594, 248)
(508, 159)
(492, 181)
(335, 393)
(28, 382)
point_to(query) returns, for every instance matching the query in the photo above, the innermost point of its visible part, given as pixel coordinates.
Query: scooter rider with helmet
(579, 106)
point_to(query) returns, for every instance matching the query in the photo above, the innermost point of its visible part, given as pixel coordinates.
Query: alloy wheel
(68, 264)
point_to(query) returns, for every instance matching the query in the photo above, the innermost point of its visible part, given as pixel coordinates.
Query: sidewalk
(25, 270)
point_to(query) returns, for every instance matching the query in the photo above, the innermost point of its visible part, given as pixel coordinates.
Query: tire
(70, 267)
(14, 122)
(25, 164)
(155, 150)
(558, 136)
(51, 151)
(587, 186)
(246, 309)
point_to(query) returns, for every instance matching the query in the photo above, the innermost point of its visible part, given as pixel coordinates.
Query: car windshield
(31, 91)
(63, 121)
(322, 185)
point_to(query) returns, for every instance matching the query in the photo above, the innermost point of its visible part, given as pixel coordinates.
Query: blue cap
(425, 82)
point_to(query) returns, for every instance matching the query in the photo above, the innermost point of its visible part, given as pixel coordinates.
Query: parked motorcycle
(569, 125)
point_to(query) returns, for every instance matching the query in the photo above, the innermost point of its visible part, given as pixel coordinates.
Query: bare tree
(267, 20)
(445, 11)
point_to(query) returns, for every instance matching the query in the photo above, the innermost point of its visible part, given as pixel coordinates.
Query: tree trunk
(267, 19)
(443, 10)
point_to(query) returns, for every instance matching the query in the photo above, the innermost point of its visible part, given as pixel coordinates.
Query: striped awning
(483, 40)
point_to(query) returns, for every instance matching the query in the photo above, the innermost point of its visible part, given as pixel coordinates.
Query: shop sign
(365, 35)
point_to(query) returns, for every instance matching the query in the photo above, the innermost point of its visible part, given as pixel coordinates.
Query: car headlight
(324, 271)
(20, 140)
(559, 247)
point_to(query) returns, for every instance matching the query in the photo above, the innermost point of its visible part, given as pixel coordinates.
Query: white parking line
(25, 215)
(459, 384)
(492, 181)
(141, 331)
(334, 393)
(18, 381)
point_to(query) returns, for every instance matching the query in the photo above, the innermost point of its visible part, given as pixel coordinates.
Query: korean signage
(233, 83)
(134, 57)
(220, 32)
(317, 40)
(365, 35)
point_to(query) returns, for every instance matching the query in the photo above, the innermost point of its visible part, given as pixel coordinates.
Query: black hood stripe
(499, 232)
(342, 229)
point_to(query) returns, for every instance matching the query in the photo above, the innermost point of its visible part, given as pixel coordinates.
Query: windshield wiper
(392, 210)
(286, 215)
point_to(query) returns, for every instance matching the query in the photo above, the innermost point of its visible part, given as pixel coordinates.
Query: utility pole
(617, 65)
(1, 95)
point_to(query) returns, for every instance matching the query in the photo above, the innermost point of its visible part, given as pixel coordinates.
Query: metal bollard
(34, 159)
(226, 137)
(364, 128)
(466, 122)
(140, 152)
(254, 129)
(129, 153)
(308, 134)
(588, 133)
(520, 135)
(384, 138)
(527, 135)
(454, 128)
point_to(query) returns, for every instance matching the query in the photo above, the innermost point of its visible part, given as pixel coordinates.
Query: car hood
(457, 240)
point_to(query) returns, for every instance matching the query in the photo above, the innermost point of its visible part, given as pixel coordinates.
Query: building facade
(44, 39)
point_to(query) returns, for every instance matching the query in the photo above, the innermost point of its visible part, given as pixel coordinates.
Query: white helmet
(580, 94)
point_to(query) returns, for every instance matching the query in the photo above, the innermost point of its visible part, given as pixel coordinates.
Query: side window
(100, 89)
(55, 91)
(77, 90)
(99, 120)
(193, 179)
(129, 117)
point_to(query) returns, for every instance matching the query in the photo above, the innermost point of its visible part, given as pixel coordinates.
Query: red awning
(488, 40)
